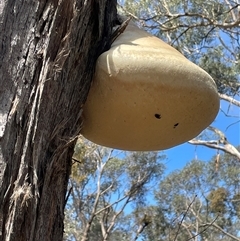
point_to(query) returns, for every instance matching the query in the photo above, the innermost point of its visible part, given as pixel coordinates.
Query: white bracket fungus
(147, 96)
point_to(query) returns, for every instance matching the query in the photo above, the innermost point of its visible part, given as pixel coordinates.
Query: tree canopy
(199, 200)
(127, 196)
(103, 184)
(205, 32)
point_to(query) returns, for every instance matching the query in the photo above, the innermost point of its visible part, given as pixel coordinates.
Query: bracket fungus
(147, 96)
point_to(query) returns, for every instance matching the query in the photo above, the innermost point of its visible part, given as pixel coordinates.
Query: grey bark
(48, 50)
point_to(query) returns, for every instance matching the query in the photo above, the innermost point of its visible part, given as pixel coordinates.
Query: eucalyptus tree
(199, 202)
(106, 185)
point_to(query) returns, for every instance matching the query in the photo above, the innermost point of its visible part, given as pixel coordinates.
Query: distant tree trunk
(48, 50)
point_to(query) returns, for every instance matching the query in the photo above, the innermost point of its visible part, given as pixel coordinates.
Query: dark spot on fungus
(158, 116)
(175, 125)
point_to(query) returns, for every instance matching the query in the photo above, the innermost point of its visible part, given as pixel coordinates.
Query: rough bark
(48, 50)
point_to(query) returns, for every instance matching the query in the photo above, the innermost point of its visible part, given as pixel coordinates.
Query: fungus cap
(147, 96)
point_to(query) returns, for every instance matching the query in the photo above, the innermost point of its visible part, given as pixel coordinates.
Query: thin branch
(223, 231)
(223, 138)
(227, 115)
(68, 195)
(227, 48)
(208, 226)
(103, 222)
(231, 9)
(76, 160)
(140, 229)
(165, 5)
(229, 99)
(184, 217)
(187, 227)
(107, 189)
(115, 217)
(110, 205)
(234, 123)
(98, 194)
(129, 13)
(180, 35)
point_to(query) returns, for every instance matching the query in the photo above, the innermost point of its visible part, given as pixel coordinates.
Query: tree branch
(223, 231)
(229, 99)
(184, 215)
(228, 148)
(114, 219)
(140, 230)
(208, 225)
(221, 144)
(98, 195)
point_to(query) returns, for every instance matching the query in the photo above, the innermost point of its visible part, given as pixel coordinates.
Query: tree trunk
(48, 50)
